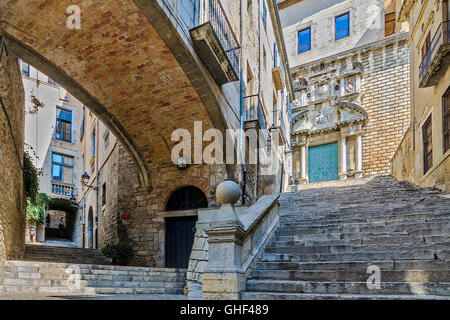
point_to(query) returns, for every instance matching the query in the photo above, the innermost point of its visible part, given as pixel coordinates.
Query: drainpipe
(259, 93)
(241, 101)
(98, 176)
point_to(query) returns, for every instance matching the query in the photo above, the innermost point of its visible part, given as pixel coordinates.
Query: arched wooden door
(180, 231)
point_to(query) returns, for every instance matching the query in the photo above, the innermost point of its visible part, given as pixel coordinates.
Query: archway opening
(186, 198)
(180, 230)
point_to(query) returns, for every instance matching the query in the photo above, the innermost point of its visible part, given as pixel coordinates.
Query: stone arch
(173, 201)
(131, 65)
(32, 57)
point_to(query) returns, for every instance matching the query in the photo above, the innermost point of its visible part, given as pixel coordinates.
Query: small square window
(304, 40)
(342, 26)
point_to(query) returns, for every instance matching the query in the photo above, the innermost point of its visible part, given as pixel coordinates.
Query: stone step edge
(17, 263)
(252, 295)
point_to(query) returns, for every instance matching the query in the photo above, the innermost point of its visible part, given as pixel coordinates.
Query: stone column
(358, 173)
(40, 230)
(224, 277)
(297, 162)
(303, 163)
(343, 174)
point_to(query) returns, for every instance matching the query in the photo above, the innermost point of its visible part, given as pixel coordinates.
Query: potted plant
(119, 253)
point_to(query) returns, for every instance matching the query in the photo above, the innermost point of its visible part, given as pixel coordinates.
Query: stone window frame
(63, 165)
(64, 123)
(427, 141)
(348, 13)
(446, 120)
(104, 198)
(301, 29)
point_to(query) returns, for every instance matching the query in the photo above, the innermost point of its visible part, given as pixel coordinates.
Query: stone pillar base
(358, 175)
(343, 176)
(223, 285)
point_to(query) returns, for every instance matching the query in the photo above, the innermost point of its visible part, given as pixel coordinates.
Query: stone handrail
(259, 221)
(228, 243)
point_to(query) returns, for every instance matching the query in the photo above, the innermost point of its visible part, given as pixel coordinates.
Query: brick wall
(12, 204)
(385, 97)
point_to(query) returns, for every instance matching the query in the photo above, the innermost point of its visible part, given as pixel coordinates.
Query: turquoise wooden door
(323, 162)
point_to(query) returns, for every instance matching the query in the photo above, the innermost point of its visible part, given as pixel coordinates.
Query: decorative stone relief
(326, 117)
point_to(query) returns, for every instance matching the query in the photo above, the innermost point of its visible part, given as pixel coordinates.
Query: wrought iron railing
(253, 111)
(441, 37)
(212, 12)
(62, 189)
(186, 12)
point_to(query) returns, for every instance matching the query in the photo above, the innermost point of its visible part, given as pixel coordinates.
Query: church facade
(347, 118)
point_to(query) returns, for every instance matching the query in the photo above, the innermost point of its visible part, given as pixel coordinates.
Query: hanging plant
(36, 211)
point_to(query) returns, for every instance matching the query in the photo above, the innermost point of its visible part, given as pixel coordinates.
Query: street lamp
(84, 181)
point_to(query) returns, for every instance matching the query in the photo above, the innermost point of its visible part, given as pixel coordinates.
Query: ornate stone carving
(327, 117)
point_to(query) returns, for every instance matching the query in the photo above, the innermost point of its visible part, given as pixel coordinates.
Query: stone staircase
(62, 279)
(48, 253)
(62, 271)
(330, 233)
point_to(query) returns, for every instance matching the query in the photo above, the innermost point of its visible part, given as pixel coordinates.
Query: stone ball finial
(228, 192)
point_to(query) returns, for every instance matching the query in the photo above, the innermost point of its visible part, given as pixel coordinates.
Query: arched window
(186, 198)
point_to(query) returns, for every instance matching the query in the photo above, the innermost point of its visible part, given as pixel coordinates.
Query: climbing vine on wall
(30, 179)
(36, 211)
(37, 203)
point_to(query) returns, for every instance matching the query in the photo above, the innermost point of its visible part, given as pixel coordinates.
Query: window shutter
(389, 24)
(446, 119)
(427, 145)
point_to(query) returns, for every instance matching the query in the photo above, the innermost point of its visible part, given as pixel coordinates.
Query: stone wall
(108, 212)
(403, 159)
(386, 98)
(12, 202)
(146, 224)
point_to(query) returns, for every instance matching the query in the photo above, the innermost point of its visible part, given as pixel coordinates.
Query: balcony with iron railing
(215, 42)
(435, 62)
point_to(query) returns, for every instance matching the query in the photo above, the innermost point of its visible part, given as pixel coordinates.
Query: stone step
(46, 290)
(321, 287)
(397, 222)
(294, 248)
(308, 296)
(405, 239)
(62, 254)
(136, 284)
(417, 254)
(352, 276)
(129, 278)
(138, 290)
(360, 235)
(42, 282)
(400, 265)
(315, 220)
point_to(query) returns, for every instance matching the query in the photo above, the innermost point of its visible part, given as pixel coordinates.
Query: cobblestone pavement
(96, 297)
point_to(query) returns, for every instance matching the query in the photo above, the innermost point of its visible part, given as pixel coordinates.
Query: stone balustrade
(228, 241)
